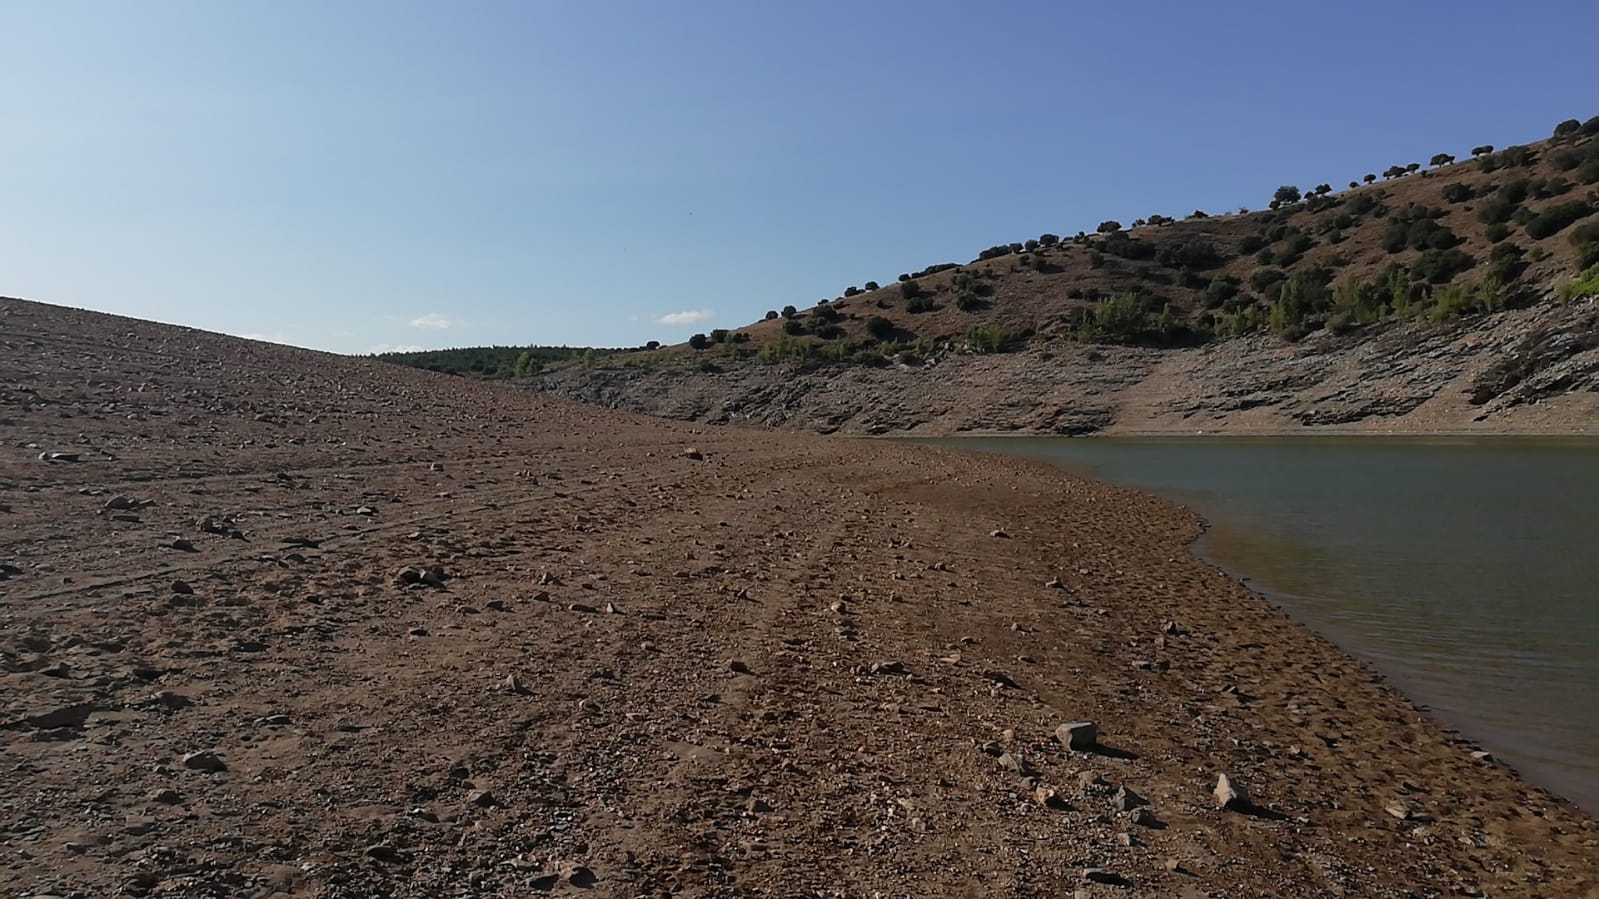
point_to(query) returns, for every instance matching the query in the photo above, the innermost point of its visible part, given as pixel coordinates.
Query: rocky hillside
(1445, 297)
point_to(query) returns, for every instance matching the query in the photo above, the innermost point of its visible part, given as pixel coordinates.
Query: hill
(282, 623)
(1480, 253)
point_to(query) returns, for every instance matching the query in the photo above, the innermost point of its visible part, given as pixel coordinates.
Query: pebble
(182, 544)
(1126, 800)
(482, 799)
(1228, 794)
(513, 684)
(59, 669)
(418, 632)
(692, 453)
(1104, 875)
(1079, 736)
(204, 760)
(167, 796)
(385, 852)
(999, 533)
(738, 666)
(182, 588)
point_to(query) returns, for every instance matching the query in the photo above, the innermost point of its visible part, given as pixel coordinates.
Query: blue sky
(356, 175)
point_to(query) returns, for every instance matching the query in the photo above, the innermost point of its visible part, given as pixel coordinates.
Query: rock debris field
(278, 623)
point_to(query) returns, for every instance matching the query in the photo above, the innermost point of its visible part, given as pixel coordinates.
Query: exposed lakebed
(1466, 570)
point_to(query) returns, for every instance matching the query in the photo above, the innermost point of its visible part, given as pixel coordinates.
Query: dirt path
(777, 666)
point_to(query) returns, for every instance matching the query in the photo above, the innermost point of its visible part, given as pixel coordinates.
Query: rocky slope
(1530, 371)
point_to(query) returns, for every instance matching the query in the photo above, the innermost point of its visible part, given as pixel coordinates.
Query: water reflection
(1466, 570)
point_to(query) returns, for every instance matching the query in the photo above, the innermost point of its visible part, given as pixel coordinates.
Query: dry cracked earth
(277, 623)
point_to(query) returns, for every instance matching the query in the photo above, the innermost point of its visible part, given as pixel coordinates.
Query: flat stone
(1078, 736)
(204, 760)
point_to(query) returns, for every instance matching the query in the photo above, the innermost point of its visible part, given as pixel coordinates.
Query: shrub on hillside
(1109, 226)
(699, 341)
(919, 305)
(1441, 159)
(1585, 240)
(1556, 218)
(879, 327)
(1440, 266)
(1568, 128)
(1457, 193)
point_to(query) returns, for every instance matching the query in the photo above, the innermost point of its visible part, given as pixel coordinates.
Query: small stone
(589, 707)
(1125, 838)
(738, 666)
(182, 588)
(1173, 628)
(758, 806)
(204, 760)
(1126, 800)
(1228, 794)
(1055, 583)
(889, 668)
(1078, 736)
(385, 852)
(1176, 867)
(1048, 798)
(418, 632)
(1104, 875)
(1483, 755)
(366, 510)
(692, 453)
(422, 814)
(59, 669)
(999, 533)
(436, 466)
(120, 503)
(583, 608)
(58, 457)
(1143, 817)
(611, 609)
(182, 544)
(167, 796)
(513, 684)
(482, 799)
(275, 720)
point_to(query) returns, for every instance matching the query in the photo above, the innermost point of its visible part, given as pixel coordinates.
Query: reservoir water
(1465, 570)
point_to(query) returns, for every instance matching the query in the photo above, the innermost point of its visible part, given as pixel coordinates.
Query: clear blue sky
(352, 175)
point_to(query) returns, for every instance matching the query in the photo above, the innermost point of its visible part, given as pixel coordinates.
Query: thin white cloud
(266, 338)
(433, 321)
(688, 317)
(395, 348)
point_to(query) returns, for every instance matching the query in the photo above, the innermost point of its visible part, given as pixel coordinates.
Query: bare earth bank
(790, 666)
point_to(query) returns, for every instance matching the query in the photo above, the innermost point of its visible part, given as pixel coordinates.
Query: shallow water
(1466, 570)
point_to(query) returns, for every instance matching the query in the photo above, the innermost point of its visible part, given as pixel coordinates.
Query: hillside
(282, 623)
(1470, 259)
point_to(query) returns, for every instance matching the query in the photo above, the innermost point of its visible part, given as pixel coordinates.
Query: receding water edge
(1457, 567)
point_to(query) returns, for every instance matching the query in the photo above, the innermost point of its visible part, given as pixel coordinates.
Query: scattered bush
(871, 285)
(879, 327)
(1109, 226)
(699, 341)
(1568, 128)
(919, 304)
(1553, 220)
(1441, 159)
(1457, 193)
(1440, 266)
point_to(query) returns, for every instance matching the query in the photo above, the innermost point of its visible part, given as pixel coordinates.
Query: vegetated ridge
(1451, 296)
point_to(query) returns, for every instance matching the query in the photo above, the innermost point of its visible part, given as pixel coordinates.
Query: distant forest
(494, 361)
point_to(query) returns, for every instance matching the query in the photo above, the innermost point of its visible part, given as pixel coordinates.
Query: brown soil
(776, 666)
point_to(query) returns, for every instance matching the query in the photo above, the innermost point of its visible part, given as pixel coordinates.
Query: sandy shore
(355, 630)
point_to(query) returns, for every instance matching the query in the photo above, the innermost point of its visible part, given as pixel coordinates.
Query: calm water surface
(1466, 570)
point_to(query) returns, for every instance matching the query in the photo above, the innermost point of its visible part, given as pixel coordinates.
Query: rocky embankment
(1533, 371)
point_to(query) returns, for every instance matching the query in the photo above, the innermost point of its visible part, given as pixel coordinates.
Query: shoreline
(1347, 639)
(500, 637)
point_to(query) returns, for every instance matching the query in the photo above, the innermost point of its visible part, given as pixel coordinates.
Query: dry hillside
(1433, 299)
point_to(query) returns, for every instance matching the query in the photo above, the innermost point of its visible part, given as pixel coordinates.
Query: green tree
(1109, 226)
(1285, 195)
(789, 312)
(1568, 128)
(880, 327)
(523, 363)
(699, 341)
(1369, 177)
(1441, 159)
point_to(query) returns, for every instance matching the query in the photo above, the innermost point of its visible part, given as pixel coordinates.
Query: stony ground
(284, 624)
